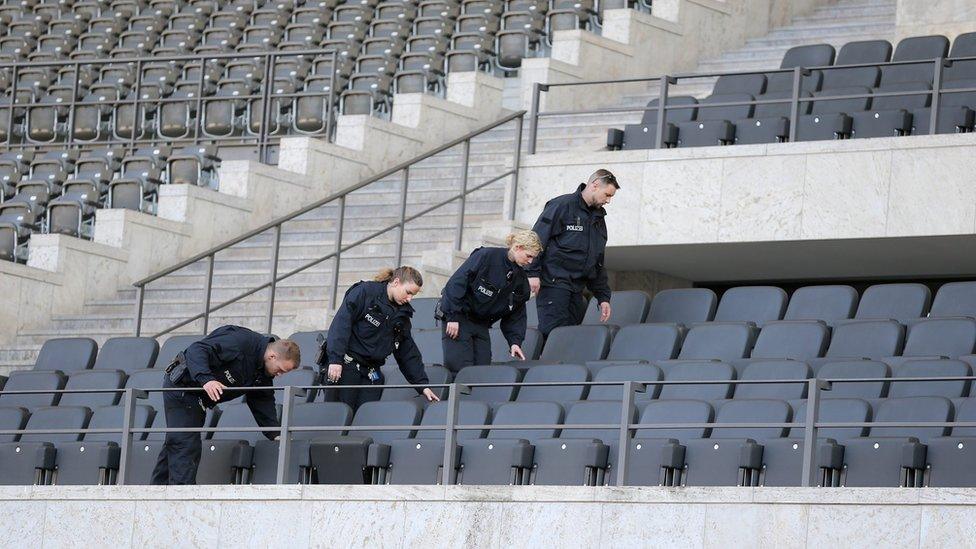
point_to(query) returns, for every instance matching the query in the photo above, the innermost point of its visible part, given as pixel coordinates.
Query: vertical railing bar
(274, 276)
(936, 96)
(128, 411)
(207, 291)
(13, 103)
(662, 113)
(795, 103)
(284, 438)
(623, 444)
(338, 253)
(198, 115)
(265, 109)
(330, 119)
(517, 165)
(534, 121)
(136, 100)
(810, 435)
(464, 191)
(449, 473)
(73, 105)
(140, 301)
(403, 216)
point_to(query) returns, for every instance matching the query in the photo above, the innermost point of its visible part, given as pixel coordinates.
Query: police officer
(372, 322)
(574, 237)
(490, 286)
(228, 357)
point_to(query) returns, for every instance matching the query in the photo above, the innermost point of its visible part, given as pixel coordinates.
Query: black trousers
(355, 397)
(180, 456)
(472, 346)
(559, 307)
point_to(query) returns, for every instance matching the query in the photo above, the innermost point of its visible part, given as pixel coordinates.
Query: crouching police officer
(573, 232)
(230, 356)
(490, 286)
(372, 322)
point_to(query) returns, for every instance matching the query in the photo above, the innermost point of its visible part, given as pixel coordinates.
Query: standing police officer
(373, 322)
(228, 357)
(573, 232)
(490, 285)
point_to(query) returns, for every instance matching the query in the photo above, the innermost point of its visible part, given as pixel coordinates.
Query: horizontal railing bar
(152, 59)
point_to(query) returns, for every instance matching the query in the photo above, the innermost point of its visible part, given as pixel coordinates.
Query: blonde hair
(404, 273)
(287, 350)
(526, 239)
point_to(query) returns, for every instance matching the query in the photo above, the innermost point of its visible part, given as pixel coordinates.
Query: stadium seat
(645, 373)
(657, 454)
(901, 302)
(228, 454)
(31, 460)
(716, 341)
(861, 52)
(628, 307)
(641, 343)
(714, 125)
(297, 378)
(12, 418)
(774, 370)
(938, 338)
(955, 299)
(561, 373)
(429, 344)
(698, 371)
(423, 316)
(644, 135)
(756, 304)
(531, 346)
(436, 374)
(577, 344)
(813, 55)
(915, 48)
(150, 378)
(950, 458)
(93, 380)
(127, 354)
(683, 306)
(581, 457)
(860, 340)
(826, 303)
(95, 460)
(66, 354)
(831, 118)
(172, 347)
(791, 339)
(931, 368)
(309, 345)
(23, 380)
(311, 414)
(489, 374)
(855, 369)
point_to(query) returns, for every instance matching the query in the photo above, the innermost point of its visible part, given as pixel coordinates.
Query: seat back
(238, 414)
(576, 344)
(673, 116)
(797, 340)
(595, 413)
(698, 371)
(752, 304)
(67, 354)
(554, 393)
(623, 372)
(470, 412)
(752, 411)
(966, 411)
(915, 48)
(309, 345)
(151, 378)
(526, 413)
(835, 100)
(725, 112)
(319, 414)
(931, 368)
(174, 346)
(489, 374)
(93, 379)
(948, 337)
(901, 302)
(11, 418)
(963, 45)
(752, 84)
(113, 417)
(675, 411)
(683, 306)
(855, 369)
(955, 298)
(774, 370)
(827, 303)
(920, 409)
(869, 339)
(836, 410)
(301, 377)
(56, 417)
(857, 53)
(25, 380)
(645, 342)
(429, 343)
(127, 354)
(627, 307)
(435, 375)
(381, 413)
(423, 315)
(717, 342)
(531, 345)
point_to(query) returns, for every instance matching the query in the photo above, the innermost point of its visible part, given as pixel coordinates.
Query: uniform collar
(263, 348)
(582, 203)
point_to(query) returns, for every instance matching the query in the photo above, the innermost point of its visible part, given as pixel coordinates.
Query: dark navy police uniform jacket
(369, 327)
(575, 240)
(487, 288)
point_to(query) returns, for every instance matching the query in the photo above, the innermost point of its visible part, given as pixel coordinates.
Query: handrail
(339, 197)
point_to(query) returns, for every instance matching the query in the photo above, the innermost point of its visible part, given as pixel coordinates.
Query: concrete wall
(948, 17)
(484, 516)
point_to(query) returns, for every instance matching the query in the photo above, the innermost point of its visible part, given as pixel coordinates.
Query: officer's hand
(214, 389)
(534, 285)
(516, 352)
(452, 329)
(431, 397)
(335, 372)
(604, 311)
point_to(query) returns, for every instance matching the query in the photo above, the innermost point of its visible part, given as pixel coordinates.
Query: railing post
(198, 119)
(330, 118)
(128, 414)
(464, 190)
(136, 101)
(517, 165)
(403, 216)
(449, 473)
(338, 252)
(534, 122)
(936, 96)
(140, 300)
(810, 469)
(662, 113)
(74, 102)
(795, 103)
(626, 416)
(207, 292)
(284, 437)
(274, 276)
(263, 136)
(13, 102)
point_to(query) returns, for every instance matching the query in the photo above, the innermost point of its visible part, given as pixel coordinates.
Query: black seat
(67, 354)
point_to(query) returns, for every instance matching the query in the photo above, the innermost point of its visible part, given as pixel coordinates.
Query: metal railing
(665, 83)
(626, 426)
(339, 199)
(145, 129)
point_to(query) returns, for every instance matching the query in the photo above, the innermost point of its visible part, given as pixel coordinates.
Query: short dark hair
(287, 350)
(607, 177)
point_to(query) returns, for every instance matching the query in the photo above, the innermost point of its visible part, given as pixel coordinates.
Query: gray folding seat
(448, 9)
(569, 15)
(150, 378)
(755, 304)
(955, 299)
(421, 70)
(931, 368)
(855, 369)
(581, 457)
(826, 303)
(436, 374)
(656, 454)
(31, 459)
(473, 45)
(14, 166)
(791, 339)
(531, 346)
(309, 344)
(218, 40)
(177, 118)
(191, 22)
(718, 341)
(172, 347)
(523, 29)
(489, 374)
(299, 377)
(782, 459)
(420, 460)
(429, 344)
(127, 354)
(956, 110)
(137, 186)
(938, 338)
(95, 459)
(554, 393)
(895, 456)
(196, 165)
(627, 307)
(423, 316)
(770, 122)
(857, 53)
(644, 134)
(831, 118)
(344, 459)
(505, 455)
(915, 48)
(12, 418)
(733, 456)
(713, 125)
(73, 213)
(312, 109)
(89, 380)
(370, 87)
(577, 344)
(137, 117)
(774, 370)
(950, 459)
(228, 454)
(311, 414)
(66, 354)
(891, 115)
(901, 302)
(312, 16)
(812, 55)
(644, 373)
(862, 340)
(496, 7)
(641, 343)
(222, 113)
(697, 371)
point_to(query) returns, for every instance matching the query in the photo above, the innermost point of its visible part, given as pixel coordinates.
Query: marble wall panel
(652, 525)
(565, 525)
(762, 198)
(176, 524)
(265, 524)
(845, 195)
(932, 192)
(353, 524)
(947, 527)
(887, 526)
(755, 526)
(89, 523)
(22, 523)
(680, 202)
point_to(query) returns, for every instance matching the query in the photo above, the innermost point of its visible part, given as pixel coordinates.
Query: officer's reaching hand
(335, 372)
(452, 329)
(516, 352)
(431, 397)
(604, 311)
(534, 285)
(214, 389)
